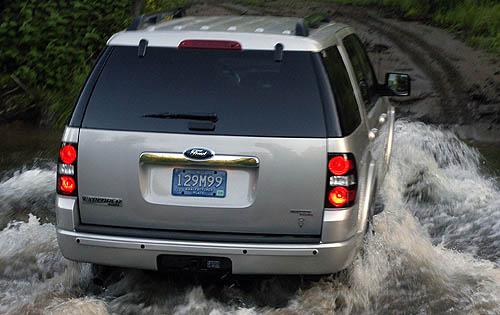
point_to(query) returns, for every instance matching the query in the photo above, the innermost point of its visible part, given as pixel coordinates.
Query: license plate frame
(197, 180)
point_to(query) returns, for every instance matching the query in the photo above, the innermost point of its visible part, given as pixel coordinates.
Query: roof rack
(301, 29)
(145, 20)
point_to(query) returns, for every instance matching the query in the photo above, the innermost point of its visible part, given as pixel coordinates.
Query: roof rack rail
(301, 29)
(154, 18)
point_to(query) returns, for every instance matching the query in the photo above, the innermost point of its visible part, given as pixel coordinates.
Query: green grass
(480, 23)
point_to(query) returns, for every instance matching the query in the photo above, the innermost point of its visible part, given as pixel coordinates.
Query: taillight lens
(341, 184)
(67, 154)
(340, 196)
(339, 165)
(66, 169)
(66, 184)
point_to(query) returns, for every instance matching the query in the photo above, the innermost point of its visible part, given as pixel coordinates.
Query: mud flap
(390, 136)
(368, 195)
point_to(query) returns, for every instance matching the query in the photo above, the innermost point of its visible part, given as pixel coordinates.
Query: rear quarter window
(347, 106)
(251, 94)
(363, 69)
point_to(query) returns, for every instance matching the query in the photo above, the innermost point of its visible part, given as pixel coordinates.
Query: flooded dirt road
(436, 249)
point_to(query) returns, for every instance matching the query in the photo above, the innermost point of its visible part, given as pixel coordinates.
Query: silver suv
(237, 144)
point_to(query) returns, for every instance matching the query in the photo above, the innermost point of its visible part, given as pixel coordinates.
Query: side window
(362, 68)
(347, 107)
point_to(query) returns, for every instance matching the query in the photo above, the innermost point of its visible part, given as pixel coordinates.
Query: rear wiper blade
(191, 116)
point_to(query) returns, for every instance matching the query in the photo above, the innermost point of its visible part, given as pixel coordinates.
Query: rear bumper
(141, 253)
(341, 236)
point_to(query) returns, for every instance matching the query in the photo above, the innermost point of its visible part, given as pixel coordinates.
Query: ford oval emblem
(198, 154)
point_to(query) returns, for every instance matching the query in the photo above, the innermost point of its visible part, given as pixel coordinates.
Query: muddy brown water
(435, 250)
(436, 247)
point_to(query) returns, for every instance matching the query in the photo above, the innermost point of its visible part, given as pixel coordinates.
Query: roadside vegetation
(48, 48)
(478, 21)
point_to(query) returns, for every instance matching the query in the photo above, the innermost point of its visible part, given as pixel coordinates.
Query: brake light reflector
(348, 180)
(339, 165)
(210, 44)
(67, 154)
(66, 184)
(66, 169)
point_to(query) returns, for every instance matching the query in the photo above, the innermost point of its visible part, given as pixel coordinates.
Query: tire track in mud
(448, 83)
(446, 80)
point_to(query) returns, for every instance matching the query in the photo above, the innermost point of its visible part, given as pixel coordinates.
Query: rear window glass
(251, 94)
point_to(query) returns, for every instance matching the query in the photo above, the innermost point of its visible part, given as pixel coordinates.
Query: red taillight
(210, 44)
(67, 154)
(339, 165)
(66, 184)
(341, 196)
(66, 170)
(341, 181)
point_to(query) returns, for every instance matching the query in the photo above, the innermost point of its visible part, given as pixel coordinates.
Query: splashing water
(28, 191)
(436, 249)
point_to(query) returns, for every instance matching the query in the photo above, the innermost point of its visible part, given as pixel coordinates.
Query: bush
(50, 46)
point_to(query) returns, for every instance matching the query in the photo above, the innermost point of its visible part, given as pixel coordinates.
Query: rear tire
(369, 230)
(103, 275)
(378, 206)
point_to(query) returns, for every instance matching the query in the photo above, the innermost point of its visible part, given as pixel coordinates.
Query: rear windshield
(248, 91)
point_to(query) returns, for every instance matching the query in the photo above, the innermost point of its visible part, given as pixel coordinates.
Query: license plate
(199, 183)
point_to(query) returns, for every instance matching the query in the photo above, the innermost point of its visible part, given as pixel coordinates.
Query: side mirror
(397, 84)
